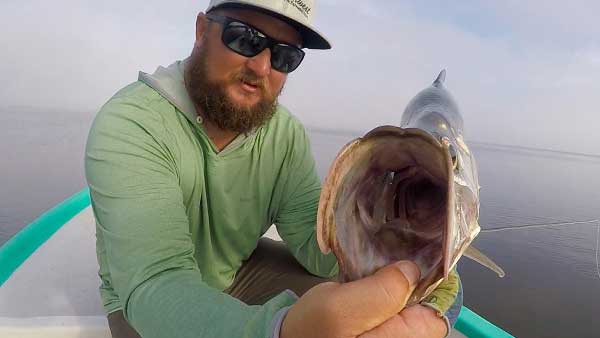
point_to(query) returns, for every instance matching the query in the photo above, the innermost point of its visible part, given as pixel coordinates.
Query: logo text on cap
(301, 6)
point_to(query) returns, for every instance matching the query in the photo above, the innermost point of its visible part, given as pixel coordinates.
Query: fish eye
(454, 156)
(451, 150)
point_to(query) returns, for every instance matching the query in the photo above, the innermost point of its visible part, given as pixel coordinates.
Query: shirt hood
(169, 83)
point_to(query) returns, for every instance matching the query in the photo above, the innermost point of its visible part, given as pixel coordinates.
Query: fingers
(394, 327)
(351, 309)
(370, 301)
(416, 321)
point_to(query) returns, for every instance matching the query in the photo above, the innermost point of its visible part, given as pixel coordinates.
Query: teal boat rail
(16, 251)
(473, 325)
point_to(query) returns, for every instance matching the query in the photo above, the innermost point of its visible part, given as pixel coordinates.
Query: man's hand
(370, 305)
(416, 321)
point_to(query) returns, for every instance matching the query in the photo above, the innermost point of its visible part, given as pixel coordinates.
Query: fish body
(404, 193)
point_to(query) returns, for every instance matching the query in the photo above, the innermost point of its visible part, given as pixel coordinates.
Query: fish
(407, 192)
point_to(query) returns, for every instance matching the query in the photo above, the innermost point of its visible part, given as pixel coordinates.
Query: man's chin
(245, 102)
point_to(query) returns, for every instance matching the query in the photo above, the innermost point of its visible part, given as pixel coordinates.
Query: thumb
(374, 299)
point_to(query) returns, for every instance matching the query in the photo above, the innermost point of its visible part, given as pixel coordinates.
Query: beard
(211, 98)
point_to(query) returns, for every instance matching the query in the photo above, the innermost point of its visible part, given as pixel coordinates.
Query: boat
(49, 282)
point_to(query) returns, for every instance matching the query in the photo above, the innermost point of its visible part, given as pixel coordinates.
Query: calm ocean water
(552, 287)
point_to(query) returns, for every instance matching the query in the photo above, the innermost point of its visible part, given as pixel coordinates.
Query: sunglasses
(248, 41)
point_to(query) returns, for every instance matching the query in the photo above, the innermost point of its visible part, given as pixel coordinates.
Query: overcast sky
(523, 72)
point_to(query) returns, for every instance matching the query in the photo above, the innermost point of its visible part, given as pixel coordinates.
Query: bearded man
(188, 167)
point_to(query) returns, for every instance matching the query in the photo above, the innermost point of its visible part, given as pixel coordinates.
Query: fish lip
(325, 223)
(403, 132)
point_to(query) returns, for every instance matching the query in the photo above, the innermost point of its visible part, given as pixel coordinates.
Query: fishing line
(598, 244)
(546, 225)
(540, 225)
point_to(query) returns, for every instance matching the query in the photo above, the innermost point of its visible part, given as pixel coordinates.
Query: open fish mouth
(409, 193)
(385, 199)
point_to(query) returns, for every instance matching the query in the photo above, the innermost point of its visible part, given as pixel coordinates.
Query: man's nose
(261, 63)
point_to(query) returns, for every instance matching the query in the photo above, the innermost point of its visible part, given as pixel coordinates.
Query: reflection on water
(551, 288)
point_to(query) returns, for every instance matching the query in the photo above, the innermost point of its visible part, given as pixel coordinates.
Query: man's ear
(201, 26)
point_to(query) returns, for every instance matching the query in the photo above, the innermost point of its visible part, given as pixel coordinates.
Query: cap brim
(311, 38)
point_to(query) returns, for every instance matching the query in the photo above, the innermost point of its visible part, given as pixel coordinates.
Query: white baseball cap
(298, 13)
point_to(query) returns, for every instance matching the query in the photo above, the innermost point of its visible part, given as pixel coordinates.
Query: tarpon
(405, 193)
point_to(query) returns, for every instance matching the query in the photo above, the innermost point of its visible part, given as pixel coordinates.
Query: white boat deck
(55, 292)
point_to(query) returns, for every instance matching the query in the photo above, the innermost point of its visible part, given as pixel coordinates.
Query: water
(41, 162)
(551, 288)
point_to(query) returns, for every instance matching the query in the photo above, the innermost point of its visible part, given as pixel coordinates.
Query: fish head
(401, 193)
(435, 111)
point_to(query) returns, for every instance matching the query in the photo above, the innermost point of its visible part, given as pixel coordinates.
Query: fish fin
(479, 257)
(439, 81)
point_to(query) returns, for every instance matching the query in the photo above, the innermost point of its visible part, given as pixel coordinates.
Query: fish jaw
(384, 200)
(464, 227)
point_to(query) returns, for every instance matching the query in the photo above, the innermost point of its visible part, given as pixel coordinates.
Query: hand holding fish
(368, 307)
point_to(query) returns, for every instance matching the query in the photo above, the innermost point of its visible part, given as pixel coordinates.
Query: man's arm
(297, 218)
(148, 247)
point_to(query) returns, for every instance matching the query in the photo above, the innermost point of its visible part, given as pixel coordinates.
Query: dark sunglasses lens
(243, 39)
(286, 58)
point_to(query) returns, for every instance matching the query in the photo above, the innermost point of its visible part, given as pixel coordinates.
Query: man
(187, 169)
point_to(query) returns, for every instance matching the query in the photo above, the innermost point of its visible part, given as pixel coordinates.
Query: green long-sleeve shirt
(175, 218)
